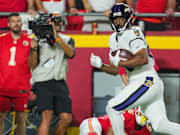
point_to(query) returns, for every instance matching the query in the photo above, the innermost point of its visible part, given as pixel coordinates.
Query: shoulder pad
(137, 31)
(133, 33)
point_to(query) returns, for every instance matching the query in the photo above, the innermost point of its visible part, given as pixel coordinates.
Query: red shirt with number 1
(14, 70)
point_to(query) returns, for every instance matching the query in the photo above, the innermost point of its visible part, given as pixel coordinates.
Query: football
(123, 54)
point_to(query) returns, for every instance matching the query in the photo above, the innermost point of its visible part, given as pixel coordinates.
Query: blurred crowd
(84, 23)
(33, 7)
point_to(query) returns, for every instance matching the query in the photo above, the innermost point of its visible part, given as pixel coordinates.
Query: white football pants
(148, 93)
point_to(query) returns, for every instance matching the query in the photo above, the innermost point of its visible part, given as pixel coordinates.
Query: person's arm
(72, 7)
(140, 58)
(123, 76)
(30, 7)
(87, 5)
(109, 69)
(33, 57)
(107, 12)
(124, 79)
(40, 7)
(110, 131)
(130, 3)
(97, 62)
(171, 4)
(68, 49)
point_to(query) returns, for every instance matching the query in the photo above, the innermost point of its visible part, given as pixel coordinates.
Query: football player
(145, 88)
(135, 123)
(14, 73)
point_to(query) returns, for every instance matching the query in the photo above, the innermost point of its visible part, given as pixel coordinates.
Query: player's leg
(168, 127)
(110, 131)
(140, 92)
(156, 112)
(5, 106)
(115, 115)
(20, 105)
(90, 125)
(116, 120)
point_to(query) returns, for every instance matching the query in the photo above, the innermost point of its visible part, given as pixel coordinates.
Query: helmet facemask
(121, 10)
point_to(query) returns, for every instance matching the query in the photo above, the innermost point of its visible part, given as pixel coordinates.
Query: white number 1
(12, 61)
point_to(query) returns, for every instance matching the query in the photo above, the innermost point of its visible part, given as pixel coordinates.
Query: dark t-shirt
(79, 4)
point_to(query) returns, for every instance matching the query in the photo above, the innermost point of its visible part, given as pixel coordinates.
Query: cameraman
(49, 78)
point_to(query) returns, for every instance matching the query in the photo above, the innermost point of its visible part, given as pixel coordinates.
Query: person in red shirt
(15, 6)
(153, 6)
(135, 123)
(14, 73)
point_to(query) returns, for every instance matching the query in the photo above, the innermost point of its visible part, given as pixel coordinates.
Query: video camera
(42, 29)
(56, 19)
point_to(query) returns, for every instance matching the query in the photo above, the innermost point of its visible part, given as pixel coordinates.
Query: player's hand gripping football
(114, 59)
(141, 119)
(95, 61)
